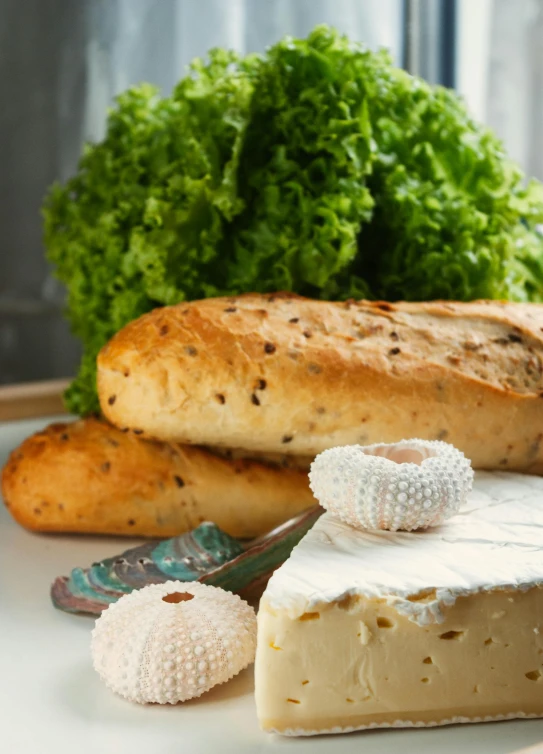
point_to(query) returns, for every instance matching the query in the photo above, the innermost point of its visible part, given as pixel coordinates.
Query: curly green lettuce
(141, 223)
(317, 168)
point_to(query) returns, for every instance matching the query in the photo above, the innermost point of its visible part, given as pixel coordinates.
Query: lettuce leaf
(317, 168)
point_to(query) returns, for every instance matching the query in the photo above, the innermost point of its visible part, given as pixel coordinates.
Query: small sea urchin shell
(407, 485)
(170, 642)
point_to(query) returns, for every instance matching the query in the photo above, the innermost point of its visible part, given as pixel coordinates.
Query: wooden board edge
(32, 400)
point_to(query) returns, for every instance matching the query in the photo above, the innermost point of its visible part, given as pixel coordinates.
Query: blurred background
(63, 61)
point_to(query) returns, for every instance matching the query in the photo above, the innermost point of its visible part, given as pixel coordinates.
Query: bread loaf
(88, 477)
(284, 374)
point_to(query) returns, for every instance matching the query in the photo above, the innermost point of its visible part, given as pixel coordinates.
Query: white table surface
(52, 701)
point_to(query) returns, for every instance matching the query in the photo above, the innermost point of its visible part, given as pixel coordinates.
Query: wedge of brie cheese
(375, 629)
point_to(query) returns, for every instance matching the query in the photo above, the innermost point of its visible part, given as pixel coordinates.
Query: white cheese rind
(494, 542)
(459, 719)
(364, 630)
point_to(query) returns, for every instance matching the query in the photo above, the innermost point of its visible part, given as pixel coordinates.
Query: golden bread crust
(283, 374)
(89, 477)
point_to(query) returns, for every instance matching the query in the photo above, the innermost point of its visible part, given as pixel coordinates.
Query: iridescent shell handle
(206, 554)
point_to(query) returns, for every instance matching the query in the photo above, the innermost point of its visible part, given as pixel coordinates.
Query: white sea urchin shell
(406, 485)
(170, 642)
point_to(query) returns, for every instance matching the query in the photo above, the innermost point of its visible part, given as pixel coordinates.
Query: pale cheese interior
(357, 662)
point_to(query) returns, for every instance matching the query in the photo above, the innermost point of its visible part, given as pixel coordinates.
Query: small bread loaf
(284, 374)
(88, 477)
